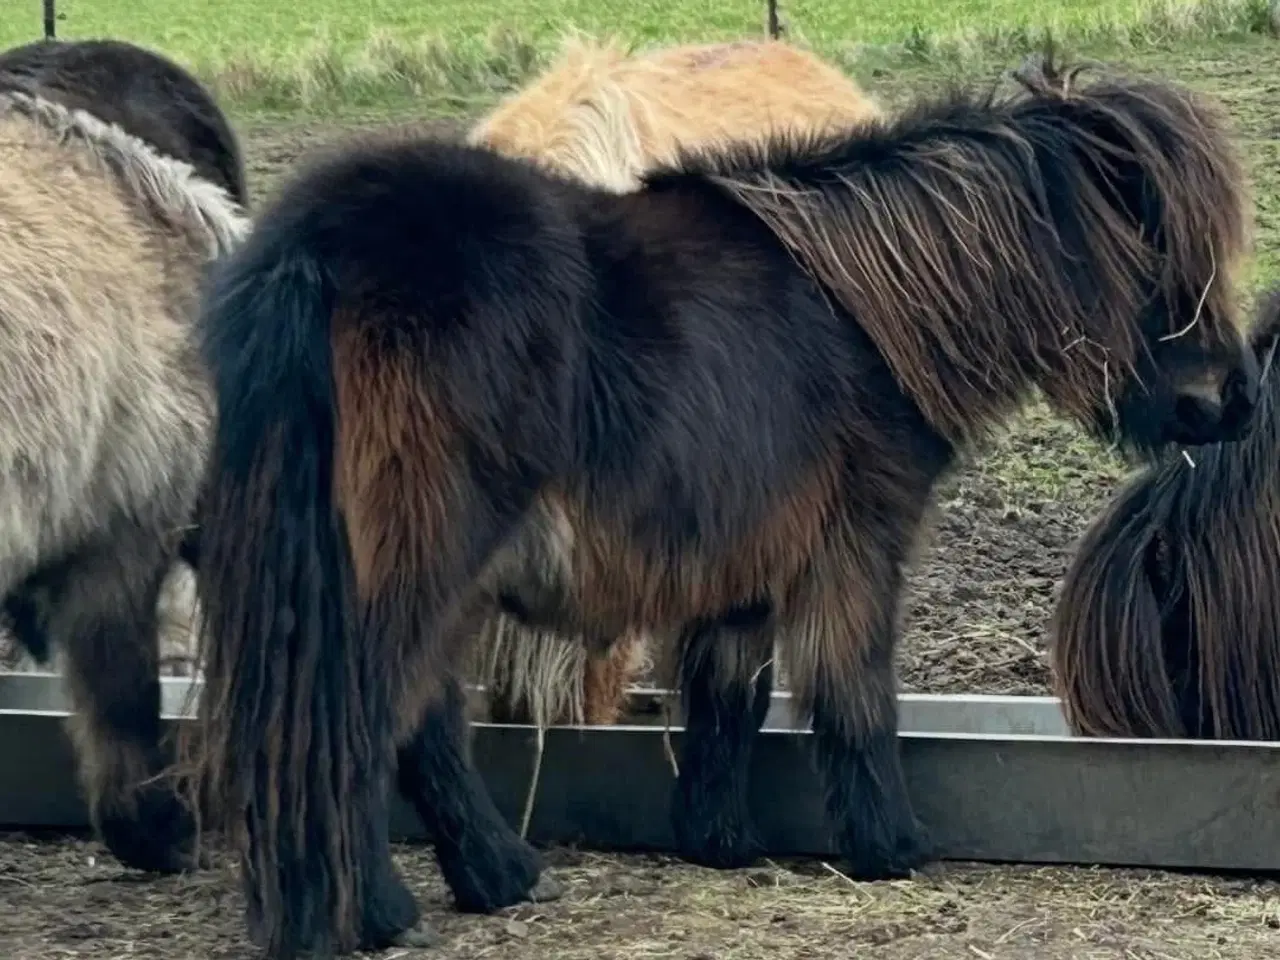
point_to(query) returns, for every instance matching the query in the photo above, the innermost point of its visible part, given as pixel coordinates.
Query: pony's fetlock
(489, 870)
(713, 830)
(391, 914)
(154, 831)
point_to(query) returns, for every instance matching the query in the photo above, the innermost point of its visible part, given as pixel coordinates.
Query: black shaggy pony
(721, 402)
(139, 91)
(1168, 623)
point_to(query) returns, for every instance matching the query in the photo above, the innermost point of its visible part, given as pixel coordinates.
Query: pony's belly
(572, 572)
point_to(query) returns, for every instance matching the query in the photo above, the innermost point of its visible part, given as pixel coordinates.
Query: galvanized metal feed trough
(993, 778)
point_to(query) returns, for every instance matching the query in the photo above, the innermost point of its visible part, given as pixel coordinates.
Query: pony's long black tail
(1106, 643)
(294, 735)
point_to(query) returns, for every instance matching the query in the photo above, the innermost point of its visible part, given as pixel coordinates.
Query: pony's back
(606, 117)
(144, 93)
(124, 283)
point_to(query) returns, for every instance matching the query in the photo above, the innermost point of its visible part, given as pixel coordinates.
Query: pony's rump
(316, 390)
(606, 114)
(1168, 621)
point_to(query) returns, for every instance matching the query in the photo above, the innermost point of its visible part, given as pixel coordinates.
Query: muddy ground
(980, 596)
(69, 900)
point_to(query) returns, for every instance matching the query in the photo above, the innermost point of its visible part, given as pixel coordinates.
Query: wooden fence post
(50, 18)
(773, 27)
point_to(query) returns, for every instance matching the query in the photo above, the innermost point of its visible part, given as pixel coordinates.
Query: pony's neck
(198, 207)
(966, 388)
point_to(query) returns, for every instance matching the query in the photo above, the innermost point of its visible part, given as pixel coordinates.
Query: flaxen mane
(1168, 623)
(606, 116)
(450, 381)
(104, 434)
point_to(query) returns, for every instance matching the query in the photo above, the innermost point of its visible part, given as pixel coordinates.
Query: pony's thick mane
(1212, 531)
(170, 187)
(1004, 208)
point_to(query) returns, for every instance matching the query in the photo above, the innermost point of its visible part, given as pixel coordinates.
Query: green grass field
(228, 29)
(275, 54)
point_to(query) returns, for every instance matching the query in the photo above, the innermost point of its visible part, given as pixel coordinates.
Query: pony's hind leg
(100, 604)
(484, 861)
(838, 648)
(726, 679)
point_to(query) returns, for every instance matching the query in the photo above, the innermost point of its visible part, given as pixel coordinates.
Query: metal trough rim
(991, 794)
(966, 712)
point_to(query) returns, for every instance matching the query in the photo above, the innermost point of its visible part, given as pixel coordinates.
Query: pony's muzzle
(1217, 408)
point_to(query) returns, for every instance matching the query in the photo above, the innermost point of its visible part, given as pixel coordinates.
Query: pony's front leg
(839, 652)
(726, 678)
(484, 861)
(99, 604)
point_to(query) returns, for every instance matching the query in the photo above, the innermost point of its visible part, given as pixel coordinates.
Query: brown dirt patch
(68, 899)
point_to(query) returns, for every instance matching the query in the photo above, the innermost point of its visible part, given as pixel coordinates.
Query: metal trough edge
(953, 713)
(996, 795)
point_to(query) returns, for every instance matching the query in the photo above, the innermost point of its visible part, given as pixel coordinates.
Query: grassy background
(450, 56)
(229, 29)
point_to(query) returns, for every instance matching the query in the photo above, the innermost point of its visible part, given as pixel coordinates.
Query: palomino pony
(106, 407)
(448, 379)
(605, 117)
(1168, 623)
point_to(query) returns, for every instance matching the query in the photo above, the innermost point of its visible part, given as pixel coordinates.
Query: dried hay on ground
(70, 900)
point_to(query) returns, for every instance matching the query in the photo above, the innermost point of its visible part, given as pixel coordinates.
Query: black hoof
(159, 837)
(420, 937)
(722, 840)
(391, 916)
(487, 876)
(909, 853)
